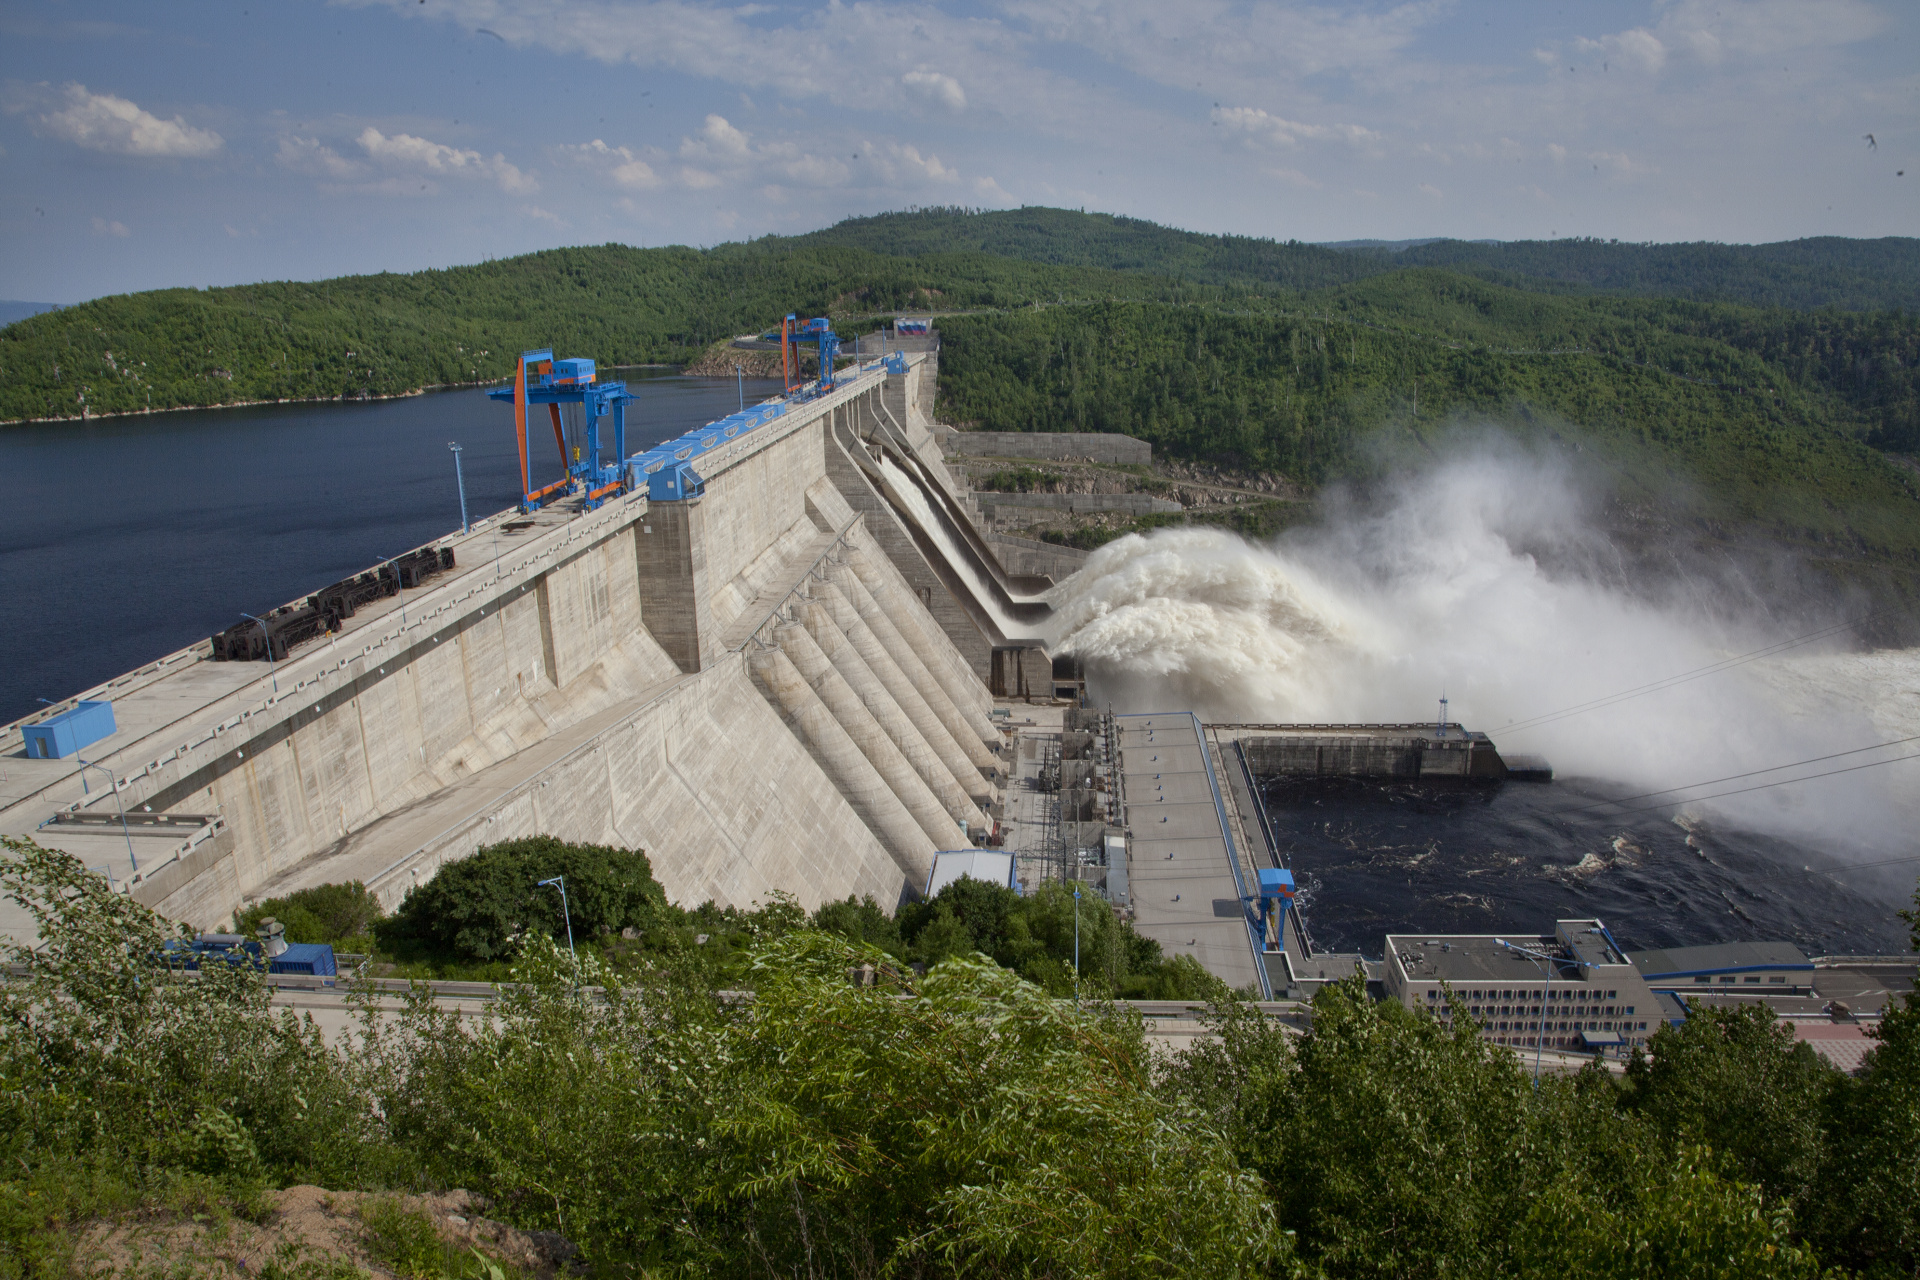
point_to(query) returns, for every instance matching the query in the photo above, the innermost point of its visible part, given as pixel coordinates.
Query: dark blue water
(128, 538)
(1378, 858)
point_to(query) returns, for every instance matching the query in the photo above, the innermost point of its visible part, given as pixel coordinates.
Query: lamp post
(740, 379)
(561, 883)
(122, 805)
(460, 479)
(1076, 940)
(1547, 962)
(268, 637)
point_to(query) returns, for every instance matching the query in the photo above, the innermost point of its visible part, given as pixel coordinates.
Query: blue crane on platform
(818, 330)
(540, 379)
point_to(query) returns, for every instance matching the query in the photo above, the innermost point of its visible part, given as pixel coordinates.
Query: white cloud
(102, 122)
(1617, 162)
(934, 87)
(621, 165)
(1295, 178)
(105, 227)
(535, 211)
(1258, 126)
(1709, 32)
(991, 192)
(724, 153)
(405, 151)
(311, 156)
(718, 136)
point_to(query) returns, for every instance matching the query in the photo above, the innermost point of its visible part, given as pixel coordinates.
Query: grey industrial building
(1575, 990)
(1729, 968)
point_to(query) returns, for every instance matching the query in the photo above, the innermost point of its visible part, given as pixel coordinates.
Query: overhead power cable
(1766, 786)
(1735, 777)
(1668, 682)
(1836, 871)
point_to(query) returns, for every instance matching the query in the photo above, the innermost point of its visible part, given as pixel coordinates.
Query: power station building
(1574, 991)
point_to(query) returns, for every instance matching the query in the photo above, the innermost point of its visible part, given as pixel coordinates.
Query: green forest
(1747, 392)
(800, 1100)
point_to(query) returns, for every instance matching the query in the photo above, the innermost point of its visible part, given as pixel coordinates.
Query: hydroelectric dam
(779, 684)
(781, 654)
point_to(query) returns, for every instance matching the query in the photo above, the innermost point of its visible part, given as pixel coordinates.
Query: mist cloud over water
(1486, 577)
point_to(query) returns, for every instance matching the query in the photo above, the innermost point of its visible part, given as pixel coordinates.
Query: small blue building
(70, 732)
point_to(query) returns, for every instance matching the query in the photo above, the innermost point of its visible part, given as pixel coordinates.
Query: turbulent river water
(128, 538)
(1377, 859)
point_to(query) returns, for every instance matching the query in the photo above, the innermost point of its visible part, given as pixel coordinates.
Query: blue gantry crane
(1276, 895)
(540, 379)
(818, 330)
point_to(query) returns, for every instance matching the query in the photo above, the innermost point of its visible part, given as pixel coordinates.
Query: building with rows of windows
(1575, 991)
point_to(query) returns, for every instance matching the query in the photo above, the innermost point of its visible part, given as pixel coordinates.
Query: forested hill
(1064, 321)
(1825, 271)
(1828, 271)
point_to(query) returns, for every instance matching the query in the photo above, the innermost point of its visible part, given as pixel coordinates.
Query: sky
(200, 143)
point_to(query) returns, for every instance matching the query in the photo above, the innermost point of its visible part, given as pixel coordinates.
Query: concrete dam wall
(779, 684)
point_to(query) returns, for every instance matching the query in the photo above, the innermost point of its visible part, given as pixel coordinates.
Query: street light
(268, 637)
(561, 882)
(460, 479)
(740, 378)
(1076, 940)
(1545, 994)
(128, 835)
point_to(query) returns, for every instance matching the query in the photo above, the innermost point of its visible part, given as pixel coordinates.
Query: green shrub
(340, 914)
(1035, 936)
(476, 909)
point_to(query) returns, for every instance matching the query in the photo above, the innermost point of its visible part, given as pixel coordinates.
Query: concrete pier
(1365, 750)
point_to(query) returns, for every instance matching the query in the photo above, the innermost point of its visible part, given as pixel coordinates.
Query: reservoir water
(128, 538)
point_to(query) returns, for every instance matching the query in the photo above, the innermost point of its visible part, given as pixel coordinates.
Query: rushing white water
(1448, 589)
(906, 492)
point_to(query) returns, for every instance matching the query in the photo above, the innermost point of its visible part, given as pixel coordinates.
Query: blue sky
(147, 145)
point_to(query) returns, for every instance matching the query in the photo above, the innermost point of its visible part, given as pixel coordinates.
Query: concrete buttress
(852, 773)
(968, 694)
(818, 671)
(846, 603)
(958, 727)
(818, 617)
